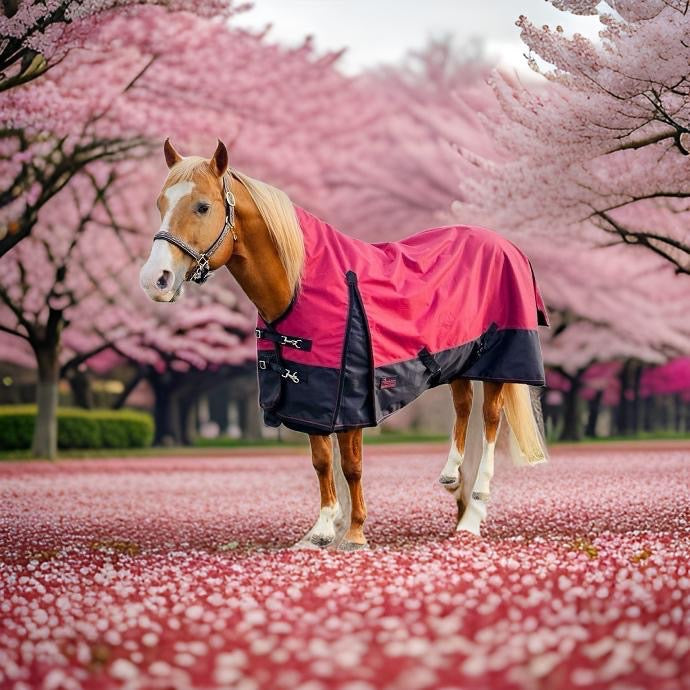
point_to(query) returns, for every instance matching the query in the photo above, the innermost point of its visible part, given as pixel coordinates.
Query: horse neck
(255, 263)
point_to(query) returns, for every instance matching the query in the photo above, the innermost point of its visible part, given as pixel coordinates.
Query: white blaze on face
(174, 194)
(164, 270)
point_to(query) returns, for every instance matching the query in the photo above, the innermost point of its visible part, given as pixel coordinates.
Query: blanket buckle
(295, 342)
(292, 375)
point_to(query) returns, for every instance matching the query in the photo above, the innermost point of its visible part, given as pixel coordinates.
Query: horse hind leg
(475, 513)
(451, 477)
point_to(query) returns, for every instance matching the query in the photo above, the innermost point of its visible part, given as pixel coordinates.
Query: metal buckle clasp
(262, 364)
(202, 269)
(292, 375)
(295, 342)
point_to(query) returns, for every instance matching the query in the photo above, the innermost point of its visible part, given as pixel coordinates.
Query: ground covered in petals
(175, 573)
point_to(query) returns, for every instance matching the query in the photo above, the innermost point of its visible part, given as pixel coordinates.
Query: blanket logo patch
(388, 382)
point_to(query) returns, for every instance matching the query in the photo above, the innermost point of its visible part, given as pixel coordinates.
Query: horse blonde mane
(279, 215)
(274, 206)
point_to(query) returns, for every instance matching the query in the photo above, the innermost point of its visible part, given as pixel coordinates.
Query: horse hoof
(352, 546)
(470, 525)
(321, 540)
(304, 545)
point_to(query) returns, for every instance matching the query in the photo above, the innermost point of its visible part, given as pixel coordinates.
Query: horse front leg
(323, 532)
(350, 443)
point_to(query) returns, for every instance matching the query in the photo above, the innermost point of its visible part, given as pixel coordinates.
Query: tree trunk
(571, 411)
(250, 418)
(45, 430)
(80, 386)
(593, 414)
(188, 419)
(129, 387)
(678, 405)
(622, 416)
(635, 412)
(167, 423)
(650, 413)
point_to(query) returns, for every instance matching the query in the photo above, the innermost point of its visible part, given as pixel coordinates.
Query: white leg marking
(475, 513)
(450, 474)
(323, 532)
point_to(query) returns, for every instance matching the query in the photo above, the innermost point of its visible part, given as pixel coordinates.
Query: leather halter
(202, 268)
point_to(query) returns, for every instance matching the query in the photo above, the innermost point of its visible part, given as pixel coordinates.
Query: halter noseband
(202, 267)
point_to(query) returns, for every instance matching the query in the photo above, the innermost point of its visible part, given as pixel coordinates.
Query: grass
(220, 446)
(660, 435)
(374, 439)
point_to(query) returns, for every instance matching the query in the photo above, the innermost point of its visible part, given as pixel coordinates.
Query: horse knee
(321, 463)
(352, 469)
(463, 407)
(321, 454)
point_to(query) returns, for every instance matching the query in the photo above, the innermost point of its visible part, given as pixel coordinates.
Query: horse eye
(202, 208)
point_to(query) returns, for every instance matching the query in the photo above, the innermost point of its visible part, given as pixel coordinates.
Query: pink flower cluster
(170, 572)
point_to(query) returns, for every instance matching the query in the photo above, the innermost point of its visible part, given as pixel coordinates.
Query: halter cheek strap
(201, 266)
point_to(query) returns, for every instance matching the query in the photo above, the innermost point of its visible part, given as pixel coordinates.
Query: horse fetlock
(450, 474)
(449, 482)
(473, 516)
(483, 484)
(347, 545)
(323, 532)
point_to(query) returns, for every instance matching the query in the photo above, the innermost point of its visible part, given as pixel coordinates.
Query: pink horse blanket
(375, 325)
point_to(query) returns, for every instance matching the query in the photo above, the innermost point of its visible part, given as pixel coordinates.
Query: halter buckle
(202, 269)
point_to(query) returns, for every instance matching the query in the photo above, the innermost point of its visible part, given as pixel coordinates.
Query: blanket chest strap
(280, 339)
(286, 373)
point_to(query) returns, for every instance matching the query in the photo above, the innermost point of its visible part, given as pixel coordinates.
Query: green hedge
(78, 428)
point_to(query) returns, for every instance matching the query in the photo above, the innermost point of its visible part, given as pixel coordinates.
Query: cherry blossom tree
(661, 385)
(70, 297)
(603, 308)
(64, 105)
(146, 73)
(397, 174)
(149, 74)
(37, 35)
(71, 261)
(600, 151)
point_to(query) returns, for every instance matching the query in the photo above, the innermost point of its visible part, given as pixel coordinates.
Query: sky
(381, 31)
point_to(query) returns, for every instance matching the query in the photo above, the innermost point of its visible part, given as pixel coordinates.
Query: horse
(349, 332)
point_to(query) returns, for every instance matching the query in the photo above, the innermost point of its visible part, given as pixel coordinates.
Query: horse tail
(527, 445)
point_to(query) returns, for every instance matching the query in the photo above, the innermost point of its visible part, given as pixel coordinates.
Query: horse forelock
(192, 169)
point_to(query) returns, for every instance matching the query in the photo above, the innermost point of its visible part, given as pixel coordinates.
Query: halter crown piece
(202, 268)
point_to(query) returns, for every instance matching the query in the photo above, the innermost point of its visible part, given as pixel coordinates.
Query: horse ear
(171, 155)
(219, 162)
